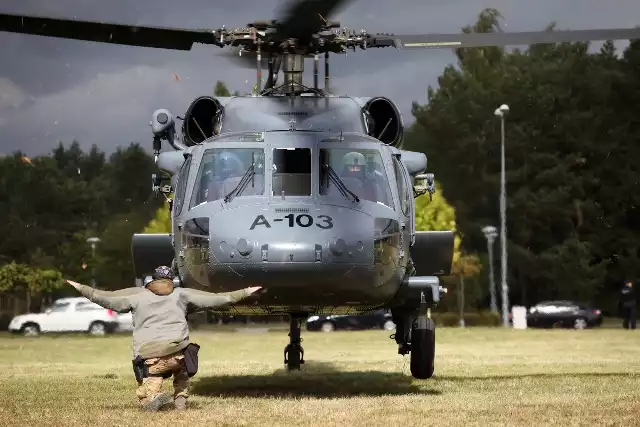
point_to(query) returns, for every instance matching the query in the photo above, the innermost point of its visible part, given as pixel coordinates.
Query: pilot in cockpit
(229, 166)
(354, 167)
(223, 166)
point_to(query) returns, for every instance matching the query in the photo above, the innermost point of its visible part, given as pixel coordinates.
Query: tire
(98, 329)
(294, 358)
(327, 327)
(30, 330)
(423, 348)
(388, 325)
(580, 323)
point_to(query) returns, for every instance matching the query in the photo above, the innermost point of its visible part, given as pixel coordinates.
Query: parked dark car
(379, 319)
(567, 314)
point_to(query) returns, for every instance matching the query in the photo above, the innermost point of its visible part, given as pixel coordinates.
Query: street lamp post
(501, 113)
(491, 233)
(93, 241)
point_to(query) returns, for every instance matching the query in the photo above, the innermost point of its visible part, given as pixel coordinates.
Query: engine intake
(384, 121)
(202, 120)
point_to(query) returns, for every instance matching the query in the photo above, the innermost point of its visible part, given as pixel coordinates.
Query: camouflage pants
(152, 385)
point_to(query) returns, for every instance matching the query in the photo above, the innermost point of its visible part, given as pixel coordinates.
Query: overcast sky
(58, 90)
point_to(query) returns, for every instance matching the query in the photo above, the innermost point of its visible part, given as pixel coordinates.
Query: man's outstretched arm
(115, 300)
(202, 300)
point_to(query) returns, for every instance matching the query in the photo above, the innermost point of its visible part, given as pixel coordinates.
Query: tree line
(50, 205)
(572, 141)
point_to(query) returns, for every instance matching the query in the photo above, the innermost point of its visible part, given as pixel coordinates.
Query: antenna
(315, 71)
(258, 63)
(326, 72)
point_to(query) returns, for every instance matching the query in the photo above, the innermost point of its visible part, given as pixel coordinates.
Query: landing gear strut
(293, 352)
(416, 335)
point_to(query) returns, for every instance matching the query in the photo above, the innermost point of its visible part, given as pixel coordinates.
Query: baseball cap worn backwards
(163, 272)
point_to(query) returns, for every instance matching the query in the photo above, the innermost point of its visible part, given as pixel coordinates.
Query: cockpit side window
(360, 170)
(221, 172)
(181, 186)
(403, 191)
(292, 171)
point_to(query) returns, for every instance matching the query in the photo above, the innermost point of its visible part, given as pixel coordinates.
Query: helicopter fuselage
(308, 205)
(312, 249)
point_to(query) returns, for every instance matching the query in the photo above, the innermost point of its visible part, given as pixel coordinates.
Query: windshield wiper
(242, 184)
(338, 183)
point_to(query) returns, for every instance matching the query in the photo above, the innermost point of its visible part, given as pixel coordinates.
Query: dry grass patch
(483, 377)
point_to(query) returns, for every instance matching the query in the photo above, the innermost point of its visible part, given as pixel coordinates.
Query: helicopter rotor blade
(130, 35)
(468, 40)
(303, 18)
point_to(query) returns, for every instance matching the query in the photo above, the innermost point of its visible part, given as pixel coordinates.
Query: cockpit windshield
(222, 171)
(360, 171)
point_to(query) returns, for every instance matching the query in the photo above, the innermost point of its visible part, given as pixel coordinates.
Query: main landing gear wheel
(293, 352)
(423, 347)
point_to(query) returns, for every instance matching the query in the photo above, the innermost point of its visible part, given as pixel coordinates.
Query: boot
(157, 402)
(180, 403)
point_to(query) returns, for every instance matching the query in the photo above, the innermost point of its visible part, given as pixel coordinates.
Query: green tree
(114, 263)
(15, 280)
(571, 145)
(19, 279)
(41, 208)
(51, 204)
(438, 215)
(221, 89)
(47, 280)
(128, 175)
(161, 223)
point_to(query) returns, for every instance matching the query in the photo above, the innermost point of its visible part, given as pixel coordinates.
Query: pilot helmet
(208, 169)
(229, 165)
(354, 164)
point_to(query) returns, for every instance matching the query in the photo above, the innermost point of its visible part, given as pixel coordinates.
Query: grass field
(483, 377)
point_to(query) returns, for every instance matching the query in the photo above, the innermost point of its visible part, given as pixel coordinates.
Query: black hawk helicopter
(303, 192)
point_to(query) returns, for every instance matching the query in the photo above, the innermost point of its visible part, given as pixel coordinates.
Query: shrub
(484, 318)
(5, 319)
(446, 319)
(472, 319)
(490, 319)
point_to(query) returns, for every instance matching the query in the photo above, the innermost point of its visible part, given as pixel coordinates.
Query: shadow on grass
(315, 379)
(537, 376)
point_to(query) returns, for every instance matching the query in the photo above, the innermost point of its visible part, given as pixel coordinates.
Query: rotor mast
(293, 69)
(292, 65)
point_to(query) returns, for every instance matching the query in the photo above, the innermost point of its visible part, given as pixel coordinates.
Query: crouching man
(161, 345)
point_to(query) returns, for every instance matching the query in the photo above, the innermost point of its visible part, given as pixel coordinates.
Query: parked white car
(72, 315)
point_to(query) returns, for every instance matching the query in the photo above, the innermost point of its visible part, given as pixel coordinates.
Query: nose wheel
(416, 336)
(423, 347)
(293, 352)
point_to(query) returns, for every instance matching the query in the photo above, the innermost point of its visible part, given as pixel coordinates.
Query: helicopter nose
(283, 249)
(250, 237)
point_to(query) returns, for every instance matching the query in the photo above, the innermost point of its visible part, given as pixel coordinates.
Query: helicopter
(304, 192)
